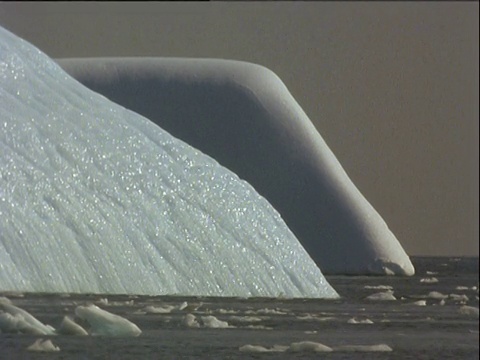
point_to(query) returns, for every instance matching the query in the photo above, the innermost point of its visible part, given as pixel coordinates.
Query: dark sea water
(437, 330)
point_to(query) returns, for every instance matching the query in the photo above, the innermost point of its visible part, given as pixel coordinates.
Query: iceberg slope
(243, 116)
(95, 198)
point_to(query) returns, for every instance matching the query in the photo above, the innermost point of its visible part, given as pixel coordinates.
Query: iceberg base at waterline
(94, 198)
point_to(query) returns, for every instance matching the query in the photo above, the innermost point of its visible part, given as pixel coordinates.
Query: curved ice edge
(266, 139)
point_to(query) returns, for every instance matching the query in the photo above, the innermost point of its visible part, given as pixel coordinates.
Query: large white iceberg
(95, 198)
(243, 116)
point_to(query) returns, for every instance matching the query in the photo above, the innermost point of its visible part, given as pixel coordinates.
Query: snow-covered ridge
(95, 198)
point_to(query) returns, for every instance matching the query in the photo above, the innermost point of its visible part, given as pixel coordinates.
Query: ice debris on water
(382, 296)
(429, 280)
(104, 323)
(42, 345)
(14, 319)
(70, 327)
(311, 346)
(101, 322)
(469, 310)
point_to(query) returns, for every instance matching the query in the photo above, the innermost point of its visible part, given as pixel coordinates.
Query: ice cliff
(96, 198)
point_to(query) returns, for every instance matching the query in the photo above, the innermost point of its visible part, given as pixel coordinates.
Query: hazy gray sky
(393, 88)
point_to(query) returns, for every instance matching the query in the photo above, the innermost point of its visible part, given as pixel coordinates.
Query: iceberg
(243, 115)
(95, 198)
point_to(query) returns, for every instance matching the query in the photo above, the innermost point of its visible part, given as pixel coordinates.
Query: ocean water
(417, 325)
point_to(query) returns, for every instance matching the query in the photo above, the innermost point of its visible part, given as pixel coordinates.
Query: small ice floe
(359, 321)
(469, 310)
(363, 348)
(268, 311)
(212, 322)
(378, 287)
(166, 309)
(429, 280)
(102, 301)
(104, 323)
(382, 296)
(459, 298)
(206, 321)
(190, 307)
(432, 273)
(150, 309)
(258, 327)
(419, 303)
(229, 311)
(70, 327)
(309, 346)
(310, 317)
(262, 349)
(465, 288)
(190, 321)
(310, 332)
(14, 319)
(43, 346)
(436, 295)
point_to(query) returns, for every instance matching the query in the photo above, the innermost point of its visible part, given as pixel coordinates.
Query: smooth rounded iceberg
(97, 199)
(242, 115)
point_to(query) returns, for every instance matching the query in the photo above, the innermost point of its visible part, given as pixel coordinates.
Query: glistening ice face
(96, 198)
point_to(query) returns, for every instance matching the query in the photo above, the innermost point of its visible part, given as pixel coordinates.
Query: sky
(392, 87)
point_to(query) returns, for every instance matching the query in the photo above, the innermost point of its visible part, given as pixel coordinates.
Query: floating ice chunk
(166, 309)
(363, 348)
(150, 309)
(104, 323)
(228, 311)
(458, 298)
(462, 288)
(190, 321)
(359, 321)
(309, 346)
(102, 301)
(268, 311)
(432, 273)
(262, 349)
(382, 296)
(41, 345)
(436, 295)
(191, 307)
(378, 287)
(13, 318)
(258, 327)
(469, 310)
(315, 317)
(430, 280)
(253, 348)
(419, 303)
(211, 321)
(70, 327)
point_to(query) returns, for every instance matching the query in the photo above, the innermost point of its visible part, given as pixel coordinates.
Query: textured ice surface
(243, 115)
(95, 198)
